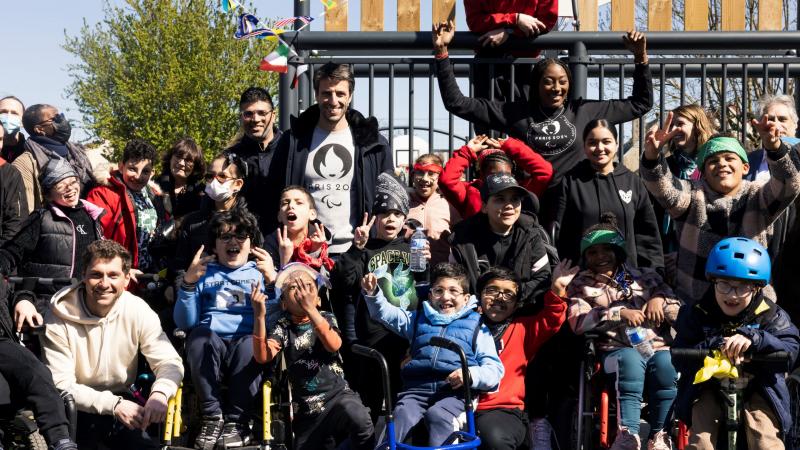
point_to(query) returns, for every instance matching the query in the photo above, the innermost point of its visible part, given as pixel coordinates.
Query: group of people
(288, 247)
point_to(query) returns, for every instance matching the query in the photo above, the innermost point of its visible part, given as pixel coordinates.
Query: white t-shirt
(329, 179)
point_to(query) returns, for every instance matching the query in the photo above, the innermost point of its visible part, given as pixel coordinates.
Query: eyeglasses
(498, 294)
(439, 292)
(188, 159)
(220, 176)
(62, 188)
(253, 114)
(227, 237)
(57, 118)
(726, 288)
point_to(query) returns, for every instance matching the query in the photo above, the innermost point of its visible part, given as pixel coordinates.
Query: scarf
(498, 329)
(301, 254)
(51, 144)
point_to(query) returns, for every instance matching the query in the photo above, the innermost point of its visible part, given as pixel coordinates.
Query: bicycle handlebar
(40, 281)
(373, 354)
(700, 354)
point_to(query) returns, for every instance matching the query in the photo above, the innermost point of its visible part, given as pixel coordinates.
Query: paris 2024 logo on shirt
(551, 137)
(333, 163)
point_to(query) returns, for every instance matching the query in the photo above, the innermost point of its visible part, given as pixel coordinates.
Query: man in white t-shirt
(334, 152)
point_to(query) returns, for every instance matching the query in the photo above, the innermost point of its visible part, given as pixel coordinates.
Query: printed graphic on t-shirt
(398, 286)
(229, 297)
(79, 229)
(332, 165)
(551, 137)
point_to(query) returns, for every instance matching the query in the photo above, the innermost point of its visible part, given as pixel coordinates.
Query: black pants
(97, 432)
(344, 415)
(31, 384)
(502, 429)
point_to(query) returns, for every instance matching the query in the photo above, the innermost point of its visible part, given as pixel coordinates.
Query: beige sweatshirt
(96, 358)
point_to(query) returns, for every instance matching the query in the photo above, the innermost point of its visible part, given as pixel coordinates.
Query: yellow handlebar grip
(178, 417)
(169, 421)
(266, 391)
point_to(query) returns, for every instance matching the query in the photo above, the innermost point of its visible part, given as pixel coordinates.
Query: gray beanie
(56, 170)
(390, 195)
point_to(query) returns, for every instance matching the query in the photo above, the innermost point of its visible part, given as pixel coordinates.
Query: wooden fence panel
(444, 10)
(371, 15)
(659, 15)
(622, 15)
(408, 15)
(336, 17)
(733, 15)
(770, 15)
(587, 13)
(695, 15)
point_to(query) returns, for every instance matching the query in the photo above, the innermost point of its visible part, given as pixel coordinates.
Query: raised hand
(264, 264)
(258, 300)
(493, 38)
(317, 237)
(495, 143)
(770, 132)
(304, 296)
(656, 138)
(443, 33)
(562, 276)
(198, 266)
(285, 246)
(361, 233)
(369, 284)
(530, 26)
(636, 43)
(478, 144)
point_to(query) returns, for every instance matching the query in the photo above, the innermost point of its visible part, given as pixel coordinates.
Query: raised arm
(672, 193)
(395, 318)
(784, 167)
(540, 170)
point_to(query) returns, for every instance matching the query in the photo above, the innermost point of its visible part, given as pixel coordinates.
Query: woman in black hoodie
(597, 185)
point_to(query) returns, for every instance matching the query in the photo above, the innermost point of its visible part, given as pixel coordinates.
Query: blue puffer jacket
(436, 363)
(768, 327)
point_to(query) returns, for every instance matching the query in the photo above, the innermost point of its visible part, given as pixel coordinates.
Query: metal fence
(720, 70)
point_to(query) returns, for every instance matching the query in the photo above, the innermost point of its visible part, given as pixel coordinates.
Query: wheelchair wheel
(793, 383)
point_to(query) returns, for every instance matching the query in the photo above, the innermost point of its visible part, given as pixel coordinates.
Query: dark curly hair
(240, 219)
(450, 270)
(497, 273)
(139, 150)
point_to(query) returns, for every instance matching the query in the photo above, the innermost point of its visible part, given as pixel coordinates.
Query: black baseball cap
(502, 181)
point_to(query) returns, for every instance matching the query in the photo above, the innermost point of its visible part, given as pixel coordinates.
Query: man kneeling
(94, 331)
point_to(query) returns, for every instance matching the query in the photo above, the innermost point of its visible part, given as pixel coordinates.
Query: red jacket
(488, 15)
(465, 196)
(520, 342)
(119, 222)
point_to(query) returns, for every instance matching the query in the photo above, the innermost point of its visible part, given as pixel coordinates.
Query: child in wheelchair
(432, 376)
(310, 340)
(735, 318)
(611, 298)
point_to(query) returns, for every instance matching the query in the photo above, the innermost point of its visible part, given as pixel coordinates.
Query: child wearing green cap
(722, 203)
(609, 297)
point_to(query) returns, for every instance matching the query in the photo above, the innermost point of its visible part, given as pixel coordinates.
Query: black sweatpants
(97, 432)
(344, 415)
(502, 429)
(31, 385)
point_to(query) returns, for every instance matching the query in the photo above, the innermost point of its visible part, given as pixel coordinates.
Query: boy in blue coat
(432, 377)
(214, 302)
(735, 318)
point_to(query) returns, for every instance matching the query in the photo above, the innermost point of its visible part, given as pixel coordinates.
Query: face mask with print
(11, 123)
(219, 192)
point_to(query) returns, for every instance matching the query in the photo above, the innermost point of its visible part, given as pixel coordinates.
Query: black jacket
(373, 155)
(257, 180)
(560, 143)
(13, 202)
(585, 195)
(703, 326)
(182, 204)
(527, 255)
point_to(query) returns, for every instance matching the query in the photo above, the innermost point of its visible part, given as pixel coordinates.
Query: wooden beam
(622, 15)
(732, 15)
(695, 15)
(408, 15)
(336, 17)
(444, 10)
(371, 15)
(587, 10)
(659, 15)
(769, 15)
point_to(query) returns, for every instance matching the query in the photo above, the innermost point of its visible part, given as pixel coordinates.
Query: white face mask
(219, 192)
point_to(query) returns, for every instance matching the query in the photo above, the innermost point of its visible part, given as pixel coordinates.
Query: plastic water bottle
(639, 341)
(418, 241)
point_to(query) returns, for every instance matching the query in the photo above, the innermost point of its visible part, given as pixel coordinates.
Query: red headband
(435, 168)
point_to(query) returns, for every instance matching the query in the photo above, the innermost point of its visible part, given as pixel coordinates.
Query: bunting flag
(299, 71)
(249, 27)
(290, 21)
(328, 4)
(276, 61)
(228, 5)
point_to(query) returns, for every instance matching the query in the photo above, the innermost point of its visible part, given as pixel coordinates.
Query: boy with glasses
(500, 416)
(432, 377)
(214, 303)
(737, 319)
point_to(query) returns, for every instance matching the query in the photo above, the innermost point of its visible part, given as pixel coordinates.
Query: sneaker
(234, 434)
(626, 441)
(210, 430)
(541, 432)
(660, 441)
(64, 444)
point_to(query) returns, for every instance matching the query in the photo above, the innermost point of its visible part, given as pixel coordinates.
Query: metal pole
(302, 8)
(578, 57)
(286, 100)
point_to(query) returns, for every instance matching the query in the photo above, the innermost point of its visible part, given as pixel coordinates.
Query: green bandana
(602, 237)
(718, 145)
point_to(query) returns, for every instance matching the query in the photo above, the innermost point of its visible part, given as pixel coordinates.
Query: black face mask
(61, 129)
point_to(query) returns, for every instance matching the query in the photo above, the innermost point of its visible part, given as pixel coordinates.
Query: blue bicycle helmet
(740, 259)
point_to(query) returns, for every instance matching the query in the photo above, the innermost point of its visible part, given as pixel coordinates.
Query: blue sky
(35, 67)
